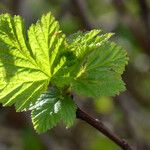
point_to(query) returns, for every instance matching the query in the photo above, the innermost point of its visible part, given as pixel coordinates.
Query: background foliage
(127, 114)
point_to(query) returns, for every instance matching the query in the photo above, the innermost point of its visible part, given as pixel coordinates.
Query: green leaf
(86, 63)
(68, 111)
(46, 41)
(63, 76)
(77, 47)
(50, 109)
(80, 42)
(25, 66)
(101, 70)
(96, 65)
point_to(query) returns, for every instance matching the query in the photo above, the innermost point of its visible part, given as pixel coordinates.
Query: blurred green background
(127, 114)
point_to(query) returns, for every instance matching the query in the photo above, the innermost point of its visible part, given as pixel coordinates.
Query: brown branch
(97, 124)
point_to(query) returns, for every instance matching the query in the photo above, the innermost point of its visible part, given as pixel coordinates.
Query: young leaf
(46, 41)
(79, 41)
(96, 66)
(50, 109)
(86, 63)
(25, 66)
(68, 111)
(101, 71)
(78, 46)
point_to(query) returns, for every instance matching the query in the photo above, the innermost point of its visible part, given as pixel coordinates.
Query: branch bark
(97, 124)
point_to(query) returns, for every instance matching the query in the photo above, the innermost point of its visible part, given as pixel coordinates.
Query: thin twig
(97, 124)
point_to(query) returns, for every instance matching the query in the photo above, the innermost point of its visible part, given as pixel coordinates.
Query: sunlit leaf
(50, 109)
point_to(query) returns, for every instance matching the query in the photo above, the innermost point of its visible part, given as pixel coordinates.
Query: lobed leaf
(50, 109)
(87, 63)
(25, 65)
(101, 71)
(96, 65)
